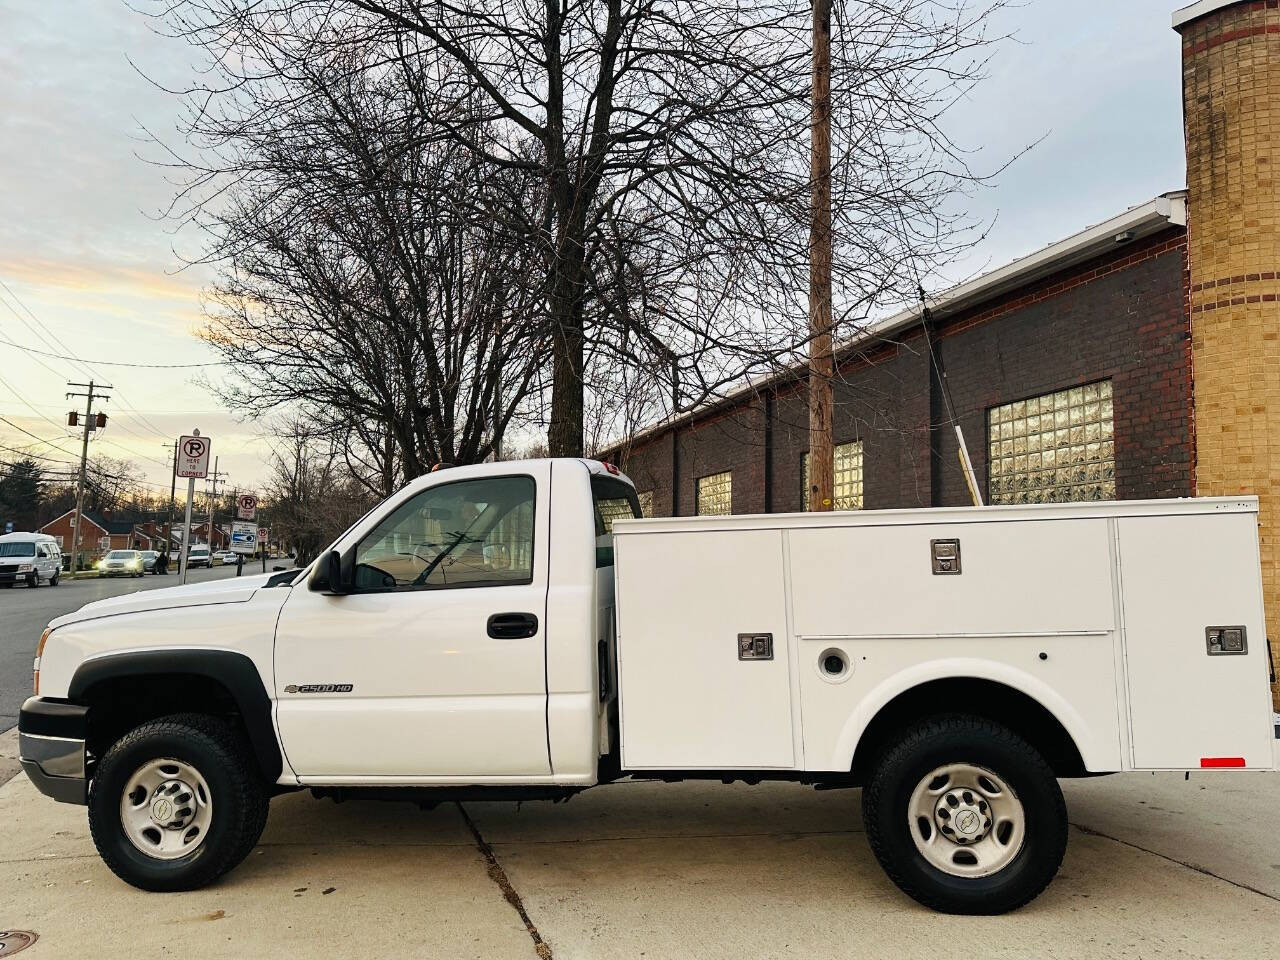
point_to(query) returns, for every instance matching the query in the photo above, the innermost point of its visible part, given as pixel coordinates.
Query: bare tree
(364, 277)
(310, 497)
(662, 149)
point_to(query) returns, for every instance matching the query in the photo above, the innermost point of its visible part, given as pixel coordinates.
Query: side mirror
(333, 572)
(327, 576)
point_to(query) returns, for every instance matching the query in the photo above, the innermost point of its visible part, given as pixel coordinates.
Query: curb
(9, 766)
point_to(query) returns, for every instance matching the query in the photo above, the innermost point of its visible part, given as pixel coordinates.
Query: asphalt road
(24, 613)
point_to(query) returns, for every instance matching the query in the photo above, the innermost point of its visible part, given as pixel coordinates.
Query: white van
(33, 558)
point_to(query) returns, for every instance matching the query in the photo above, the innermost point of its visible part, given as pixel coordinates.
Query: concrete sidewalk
(1157, 866)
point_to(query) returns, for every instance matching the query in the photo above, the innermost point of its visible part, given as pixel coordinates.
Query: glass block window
(646, 502)
(1053, 449)
(612, 509)
(715, 495)
(848, 485)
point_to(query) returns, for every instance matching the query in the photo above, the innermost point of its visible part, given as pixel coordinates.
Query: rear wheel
(53, 581)
(176, 803)
(965, 816)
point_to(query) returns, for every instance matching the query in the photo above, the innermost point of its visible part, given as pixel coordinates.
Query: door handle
(512, 626)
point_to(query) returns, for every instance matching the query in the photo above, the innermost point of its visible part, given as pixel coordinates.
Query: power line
(83, 364)
(23, 321)
(29, 406)
(114, 363)
(34, 456)
(34, 437)
(143, 456)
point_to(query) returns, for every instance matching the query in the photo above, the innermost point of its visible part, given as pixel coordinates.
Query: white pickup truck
(510, 630)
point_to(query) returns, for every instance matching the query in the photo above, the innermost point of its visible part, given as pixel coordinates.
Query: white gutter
(1134, 224)
(1200, 9)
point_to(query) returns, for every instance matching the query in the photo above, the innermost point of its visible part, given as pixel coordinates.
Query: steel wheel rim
(166, 808)
(966, 820)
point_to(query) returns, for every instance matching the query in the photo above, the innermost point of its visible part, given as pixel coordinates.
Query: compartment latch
(1224, 641)
(946, 556)
(755, 646)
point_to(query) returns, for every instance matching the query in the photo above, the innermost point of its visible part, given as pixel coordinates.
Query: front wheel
(176, 803)
(965, 816)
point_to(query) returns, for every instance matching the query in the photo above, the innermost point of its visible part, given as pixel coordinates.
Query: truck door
(433, 667)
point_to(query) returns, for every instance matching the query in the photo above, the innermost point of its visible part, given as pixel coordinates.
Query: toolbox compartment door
(687, 700)
(1190, 708)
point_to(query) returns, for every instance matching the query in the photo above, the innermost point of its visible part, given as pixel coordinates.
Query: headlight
(35, 679)
(24, 568)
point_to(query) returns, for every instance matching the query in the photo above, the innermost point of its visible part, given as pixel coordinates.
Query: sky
(91, 269)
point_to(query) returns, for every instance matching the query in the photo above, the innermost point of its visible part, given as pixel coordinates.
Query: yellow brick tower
(1231, 106)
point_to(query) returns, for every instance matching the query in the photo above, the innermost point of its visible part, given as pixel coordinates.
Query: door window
(472, 533)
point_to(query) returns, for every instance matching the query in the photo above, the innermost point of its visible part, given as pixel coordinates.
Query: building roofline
(1202, 8)
(87, 515)
(1136, 223)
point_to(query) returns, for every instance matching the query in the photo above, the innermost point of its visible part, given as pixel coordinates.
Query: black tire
(53, 581)
(965, 739)
(33, 581)
(239, 801)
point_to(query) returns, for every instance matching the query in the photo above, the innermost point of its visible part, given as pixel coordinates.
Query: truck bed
(771, 642)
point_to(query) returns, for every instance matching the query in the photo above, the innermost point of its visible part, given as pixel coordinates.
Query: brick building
(1138, 358)
(1101, 313)
(100, 534)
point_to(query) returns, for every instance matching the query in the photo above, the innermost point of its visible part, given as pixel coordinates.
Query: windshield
(195, 550)
(122, 554)
(17, 549)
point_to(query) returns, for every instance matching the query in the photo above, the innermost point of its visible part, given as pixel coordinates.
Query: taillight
(611, 468)
(35, 678)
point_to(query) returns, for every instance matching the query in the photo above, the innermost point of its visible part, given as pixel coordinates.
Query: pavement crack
(1182, 863)
(499, 876)
(783, 834)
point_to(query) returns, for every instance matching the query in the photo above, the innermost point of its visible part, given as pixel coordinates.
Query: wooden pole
(821, 359)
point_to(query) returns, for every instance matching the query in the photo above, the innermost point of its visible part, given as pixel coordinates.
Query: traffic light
(102, 420)
(73, 419)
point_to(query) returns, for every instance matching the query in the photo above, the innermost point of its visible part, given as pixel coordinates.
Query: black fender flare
(234, 671)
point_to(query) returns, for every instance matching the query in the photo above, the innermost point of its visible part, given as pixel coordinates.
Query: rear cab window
(612, 499)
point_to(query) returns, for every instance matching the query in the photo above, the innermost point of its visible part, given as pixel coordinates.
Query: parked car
(121, 563)
(33, 558)
(149, 559)
(199, 556)
(919, 654)
(225, 557)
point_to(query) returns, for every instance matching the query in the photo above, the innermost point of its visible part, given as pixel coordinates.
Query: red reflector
(1222, 761)
(611, 468)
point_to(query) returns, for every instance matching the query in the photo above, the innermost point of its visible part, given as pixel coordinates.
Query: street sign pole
(186, 530)
(191, 462)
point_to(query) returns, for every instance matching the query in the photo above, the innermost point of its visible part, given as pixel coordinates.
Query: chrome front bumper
(51, 735)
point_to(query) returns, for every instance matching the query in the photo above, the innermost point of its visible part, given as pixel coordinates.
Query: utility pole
(213, 502)
(91, 392)
(821, 359)
(173, 492)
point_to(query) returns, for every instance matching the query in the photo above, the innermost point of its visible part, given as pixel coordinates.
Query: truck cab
(486, 639)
